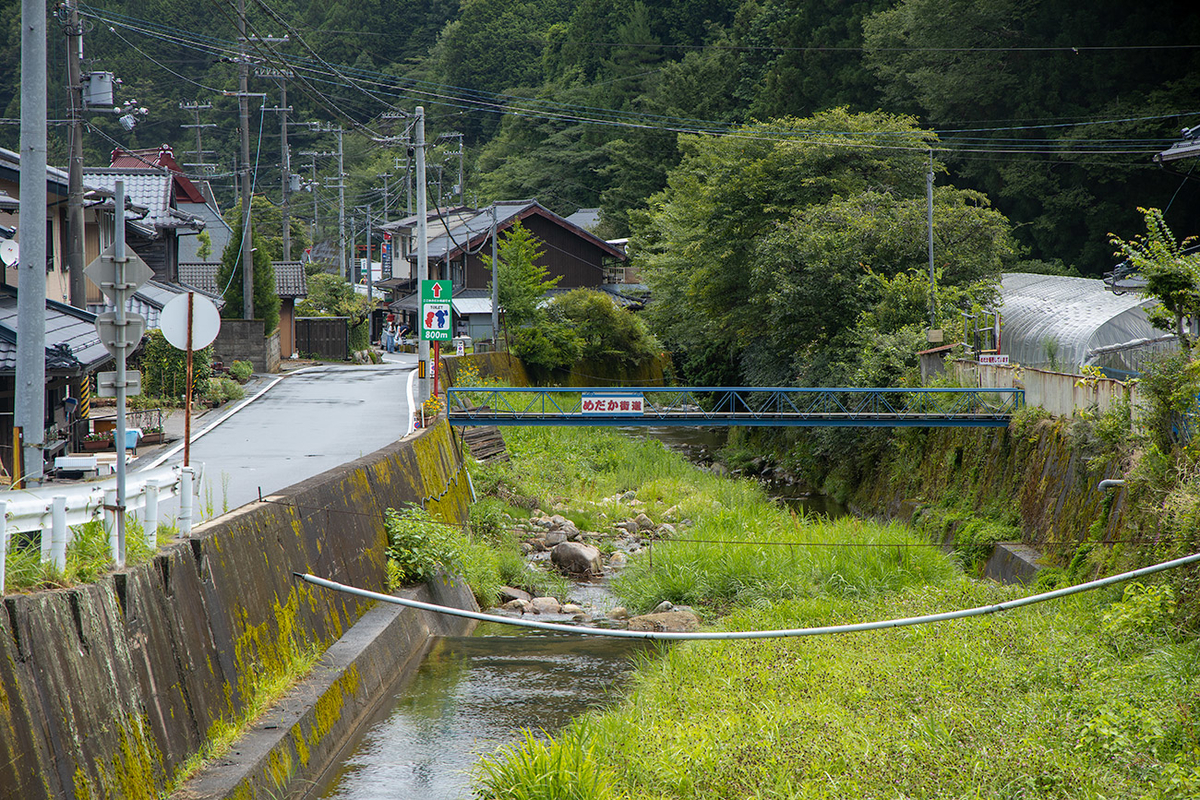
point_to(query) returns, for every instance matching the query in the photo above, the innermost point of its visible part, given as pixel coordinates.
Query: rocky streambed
(589, 559)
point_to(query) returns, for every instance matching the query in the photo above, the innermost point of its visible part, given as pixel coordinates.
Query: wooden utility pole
(244, 117)
(74, 30)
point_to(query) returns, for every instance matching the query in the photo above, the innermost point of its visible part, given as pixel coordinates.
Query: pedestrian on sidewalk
(389, 337)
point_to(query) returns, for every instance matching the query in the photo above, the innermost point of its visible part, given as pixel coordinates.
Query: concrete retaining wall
(107, 689)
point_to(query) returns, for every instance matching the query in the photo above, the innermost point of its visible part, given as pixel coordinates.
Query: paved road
(304, 424)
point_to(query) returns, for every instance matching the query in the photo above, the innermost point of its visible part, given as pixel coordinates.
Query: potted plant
(153, 435)
(98, 441)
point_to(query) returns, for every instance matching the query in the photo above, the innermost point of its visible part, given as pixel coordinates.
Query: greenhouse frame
(1061, 323)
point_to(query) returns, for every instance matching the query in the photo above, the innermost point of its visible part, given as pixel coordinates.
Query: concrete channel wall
(107, 689)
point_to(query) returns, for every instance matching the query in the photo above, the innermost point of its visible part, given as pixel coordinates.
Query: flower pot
(153, 438)
(92, 445)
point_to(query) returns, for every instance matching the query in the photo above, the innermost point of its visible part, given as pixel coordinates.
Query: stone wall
(243, 340)
(107, 689)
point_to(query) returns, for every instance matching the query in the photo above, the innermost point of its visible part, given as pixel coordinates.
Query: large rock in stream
(575, 558)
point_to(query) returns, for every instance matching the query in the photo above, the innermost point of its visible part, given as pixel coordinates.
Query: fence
(1059, 393)
(53, 510)
(324, 337)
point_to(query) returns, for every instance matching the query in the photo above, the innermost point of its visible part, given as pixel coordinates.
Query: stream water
(474, 694)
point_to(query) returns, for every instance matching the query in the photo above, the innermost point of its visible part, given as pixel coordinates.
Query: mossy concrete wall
(107, 689)
(1031, 486)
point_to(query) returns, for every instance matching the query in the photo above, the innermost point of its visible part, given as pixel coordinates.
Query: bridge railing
(846, 406)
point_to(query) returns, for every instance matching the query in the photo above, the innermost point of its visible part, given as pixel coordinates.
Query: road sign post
(189, 322)
(436, 319)
(118, 275)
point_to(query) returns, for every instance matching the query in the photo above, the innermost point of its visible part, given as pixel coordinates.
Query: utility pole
(422, 245)
(286, 164)
(495, 285)
(74, 30)
(370, 257)
(929, 210)
(459, 186)
(30, 399)
(282, 73)
(312, 184)
(343, 267)
(196, 107)
(244, 117)
(312, 187)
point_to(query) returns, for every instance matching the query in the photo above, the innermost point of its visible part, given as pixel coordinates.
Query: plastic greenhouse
(1060, 323)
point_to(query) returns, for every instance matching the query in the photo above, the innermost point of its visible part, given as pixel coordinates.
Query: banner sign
(607, 403)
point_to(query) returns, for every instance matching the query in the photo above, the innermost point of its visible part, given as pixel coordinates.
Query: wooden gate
(323, 337)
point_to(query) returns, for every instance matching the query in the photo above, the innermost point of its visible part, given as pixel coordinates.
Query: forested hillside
(1052, 109)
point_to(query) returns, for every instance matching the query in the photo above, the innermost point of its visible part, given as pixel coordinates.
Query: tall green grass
(1090, 697)
(88, 556)
(1028, 704)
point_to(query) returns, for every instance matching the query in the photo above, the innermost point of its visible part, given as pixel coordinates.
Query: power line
(390, 88)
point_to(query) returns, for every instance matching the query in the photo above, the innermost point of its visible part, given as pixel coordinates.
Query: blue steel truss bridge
(711, 406)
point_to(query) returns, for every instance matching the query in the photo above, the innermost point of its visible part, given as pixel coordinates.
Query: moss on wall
(106, 689)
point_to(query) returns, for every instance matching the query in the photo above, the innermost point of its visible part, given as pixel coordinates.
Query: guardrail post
(185, 500)
(58, 533)
(151, 524)
(47, 534)
(3, 542)
(110, 520)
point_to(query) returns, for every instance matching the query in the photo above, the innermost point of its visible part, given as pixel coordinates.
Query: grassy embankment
(1080, 698)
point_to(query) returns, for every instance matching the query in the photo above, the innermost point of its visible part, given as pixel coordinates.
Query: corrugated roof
(1070, 317)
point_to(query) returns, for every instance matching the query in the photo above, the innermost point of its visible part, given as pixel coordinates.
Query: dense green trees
(1172, 272)
(229, 281)
(770, 249)
(1050, 108)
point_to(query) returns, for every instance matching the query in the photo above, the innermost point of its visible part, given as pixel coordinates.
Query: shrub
(547, 346)
(222, 390)
(606, 331)
(164, 368)
(418, 546)
(241, 370)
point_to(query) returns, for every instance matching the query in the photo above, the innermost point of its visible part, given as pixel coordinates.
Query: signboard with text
(385, 259)
(995, 360)
(436, 317)
(607, 403)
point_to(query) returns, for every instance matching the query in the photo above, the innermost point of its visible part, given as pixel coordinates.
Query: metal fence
(53, 510)
(824, 407)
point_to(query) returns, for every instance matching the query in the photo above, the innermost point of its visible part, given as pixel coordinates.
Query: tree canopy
(772, 248)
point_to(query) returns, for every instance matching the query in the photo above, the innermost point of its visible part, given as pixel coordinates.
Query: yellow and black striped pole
(85, 397)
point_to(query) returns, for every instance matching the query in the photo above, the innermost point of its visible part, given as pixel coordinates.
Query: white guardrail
(54, 510)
